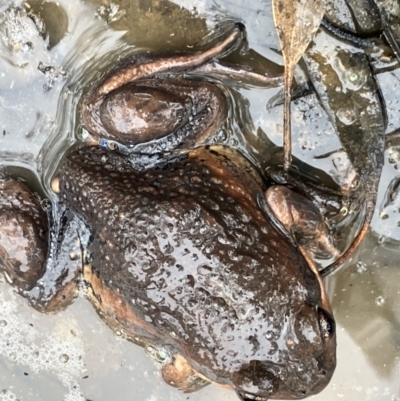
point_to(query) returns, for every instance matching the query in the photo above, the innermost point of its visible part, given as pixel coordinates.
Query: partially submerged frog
(195, 257)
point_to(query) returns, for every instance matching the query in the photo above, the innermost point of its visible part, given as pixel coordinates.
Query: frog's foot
(23, 235)
(300, 218)
(178, 373)
(59, 285)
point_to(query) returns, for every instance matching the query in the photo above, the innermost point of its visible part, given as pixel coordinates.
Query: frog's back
(190, 255)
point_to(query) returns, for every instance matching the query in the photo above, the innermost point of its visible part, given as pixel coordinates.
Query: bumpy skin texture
(183, 257)
(23, 235)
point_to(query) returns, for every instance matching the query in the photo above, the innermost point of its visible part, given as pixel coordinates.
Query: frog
(195, 257)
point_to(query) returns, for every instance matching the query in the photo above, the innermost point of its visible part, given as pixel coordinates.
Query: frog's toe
(178, 373)
(23, 235)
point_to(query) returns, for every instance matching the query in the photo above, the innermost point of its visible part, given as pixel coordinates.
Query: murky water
(73, 355)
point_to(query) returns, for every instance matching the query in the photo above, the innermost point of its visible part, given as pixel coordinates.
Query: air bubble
(383, 216)
(353, 77)
(361, 267)
(346, 116)
(269, 335)
(6, 395)
(57, 347)
(46, 205)
(150, 350)
(112, 145)
(161, 355)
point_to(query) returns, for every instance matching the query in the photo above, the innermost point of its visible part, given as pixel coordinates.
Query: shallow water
(73, 355)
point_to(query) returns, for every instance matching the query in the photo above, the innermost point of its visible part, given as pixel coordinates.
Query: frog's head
(303, 364)
(283, 344)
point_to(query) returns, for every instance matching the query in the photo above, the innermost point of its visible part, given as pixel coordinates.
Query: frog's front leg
(42, 264)
(58, 287)
(177, 372)
(300, 218)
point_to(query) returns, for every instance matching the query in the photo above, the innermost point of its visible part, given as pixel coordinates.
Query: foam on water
(60, 352)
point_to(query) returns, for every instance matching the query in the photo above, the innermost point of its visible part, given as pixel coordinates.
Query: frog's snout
(310, 344)
(258, 382)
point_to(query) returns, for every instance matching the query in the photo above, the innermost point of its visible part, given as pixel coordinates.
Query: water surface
(73, 355)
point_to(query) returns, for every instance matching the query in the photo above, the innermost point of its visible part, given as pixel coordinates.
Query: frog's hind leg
(23, 232)
(42, 264)
(299, 218)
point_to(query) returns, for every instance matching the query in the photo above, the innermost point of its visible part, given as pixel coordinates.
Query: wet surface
(74, 355)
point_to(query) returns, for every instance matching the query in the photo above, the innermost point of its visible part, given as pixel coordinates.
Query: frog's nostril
(244, 397)
(240, 26)
(326, 323)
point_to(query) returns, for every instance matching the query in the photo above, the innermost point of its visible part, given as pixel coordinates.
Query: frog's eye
(326, 324)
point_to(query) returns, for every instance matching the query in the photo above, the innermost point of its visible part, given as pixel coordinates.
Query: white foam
(59, 351)
(6, 395)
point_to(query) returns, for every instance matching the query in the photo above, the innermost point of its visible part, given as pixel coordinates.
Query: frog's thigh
(23, 235)
(59, 285)
(178, 373)
(301, 218)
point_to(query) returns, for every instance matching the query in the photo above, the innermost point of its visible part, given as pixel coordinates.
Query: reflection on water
(73, 355)
(370, 291)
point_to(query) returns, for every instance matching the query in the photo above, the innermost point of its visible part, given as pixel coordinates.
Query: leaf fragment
(296, 22)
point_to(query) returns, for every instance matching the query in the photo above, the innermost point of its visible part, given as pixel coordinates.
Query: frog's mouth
(250, 397)
(246, 397)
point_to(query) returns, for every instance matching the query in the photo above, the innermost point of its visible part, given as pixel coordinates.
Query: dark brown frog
(184, 257)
